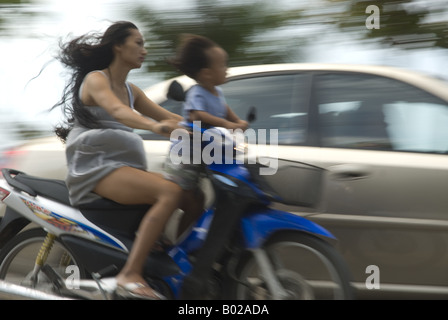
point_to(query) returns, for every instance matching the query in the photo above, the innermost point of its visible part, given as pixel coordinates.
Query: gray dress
(94, 153)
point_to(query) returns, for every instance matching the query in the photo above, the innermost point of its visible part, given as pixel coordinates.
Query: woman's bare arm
(97, 91)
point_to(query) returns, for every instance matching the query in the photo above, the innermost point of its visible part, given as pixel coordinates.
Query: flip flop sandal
(127, 292)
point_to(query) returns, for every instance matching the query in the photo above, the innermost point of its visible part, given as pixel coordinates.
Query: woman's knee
(171, 191)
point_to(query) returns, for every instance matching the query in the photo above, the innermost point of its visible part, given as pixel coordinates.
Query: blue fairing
(258, 227)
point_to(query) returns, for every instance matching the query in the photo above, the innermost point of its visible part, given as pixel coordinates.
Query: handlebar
(220, 137)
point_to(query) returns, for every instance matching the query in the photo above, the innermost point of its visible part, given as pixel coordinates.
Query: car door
(385, 145)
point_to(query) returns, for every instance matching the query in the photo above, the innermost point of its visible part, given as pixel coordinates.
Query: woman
(105, 158)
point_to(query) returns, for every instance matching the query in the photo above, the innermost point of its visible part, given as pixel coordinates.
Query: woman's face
(132, 51)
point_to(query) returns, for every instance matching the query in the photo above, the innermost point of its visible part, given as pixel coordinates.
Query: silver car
(382, 135)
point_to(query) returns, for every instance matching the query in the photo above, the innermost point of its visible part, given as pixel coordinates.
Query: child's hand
(240, 124)
(243, 124)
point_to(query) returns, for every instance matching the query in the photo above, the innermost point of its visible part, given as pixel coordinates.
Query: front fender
(257, 227)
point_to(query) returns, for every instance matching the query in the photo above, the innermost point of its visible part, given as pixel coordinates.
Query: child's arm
(229, 123)
(232, 117)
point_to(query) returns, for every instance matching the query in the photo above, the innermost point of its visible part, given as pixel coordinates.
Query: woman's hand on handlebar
(165, 127)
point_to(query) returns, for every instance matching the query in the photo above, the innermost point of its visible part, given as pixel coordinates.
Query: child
(204, 61)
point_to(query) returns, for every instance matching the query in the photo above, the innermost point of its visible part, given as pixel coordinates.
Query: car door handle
(349, 171)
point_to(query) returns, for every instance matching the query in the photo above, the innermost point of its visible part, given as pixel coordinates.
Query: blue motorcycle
(242, 247)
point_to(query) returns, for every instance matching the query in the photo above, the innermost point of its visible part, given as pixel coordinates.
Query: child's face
(218, 66)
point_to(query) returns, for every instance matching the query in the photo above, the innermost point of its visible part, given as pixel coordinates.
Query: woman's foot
(135, 287)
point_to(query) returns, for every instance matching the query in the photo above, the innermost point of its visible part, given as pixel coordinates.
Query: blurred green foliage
(403, 23)
(10, 10)
(9, 2)
(261, 32)
(250, 31)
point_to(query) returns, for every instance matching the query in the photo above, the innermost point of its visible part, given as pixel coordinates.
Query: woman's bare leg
(193, 206)
(132, 186)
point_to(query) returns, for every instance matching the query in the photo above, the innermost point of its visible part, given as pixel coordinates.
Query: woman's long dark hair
(82, 55)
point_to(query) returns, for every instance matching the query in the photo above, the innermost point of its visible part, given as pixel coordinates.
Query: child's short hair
(191, 55)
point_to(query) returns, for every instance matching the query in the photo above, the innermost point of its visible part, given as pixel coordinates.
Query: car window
(281, 102)
(373, 112)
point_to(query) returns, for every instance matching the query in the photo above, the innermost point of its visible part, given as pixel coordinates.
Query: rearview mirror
(175, 91)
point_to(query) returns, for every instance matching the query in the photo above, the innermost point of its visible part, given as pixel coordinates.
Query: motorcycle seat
(114, 217)
(107, 214)
(49, 188)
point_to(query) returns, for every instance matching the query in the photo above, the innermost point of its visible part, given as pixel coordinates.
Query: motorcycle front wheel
(17, 260)
(307, 268)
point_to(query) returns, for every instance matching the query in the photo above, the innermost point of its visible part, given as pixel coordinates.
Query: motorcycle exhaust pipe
(97, 289)
(10, 291)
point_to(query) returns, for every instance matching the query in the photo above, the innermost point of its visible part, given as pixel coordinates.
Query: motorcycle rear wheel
(307, 267)
(17, 259)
